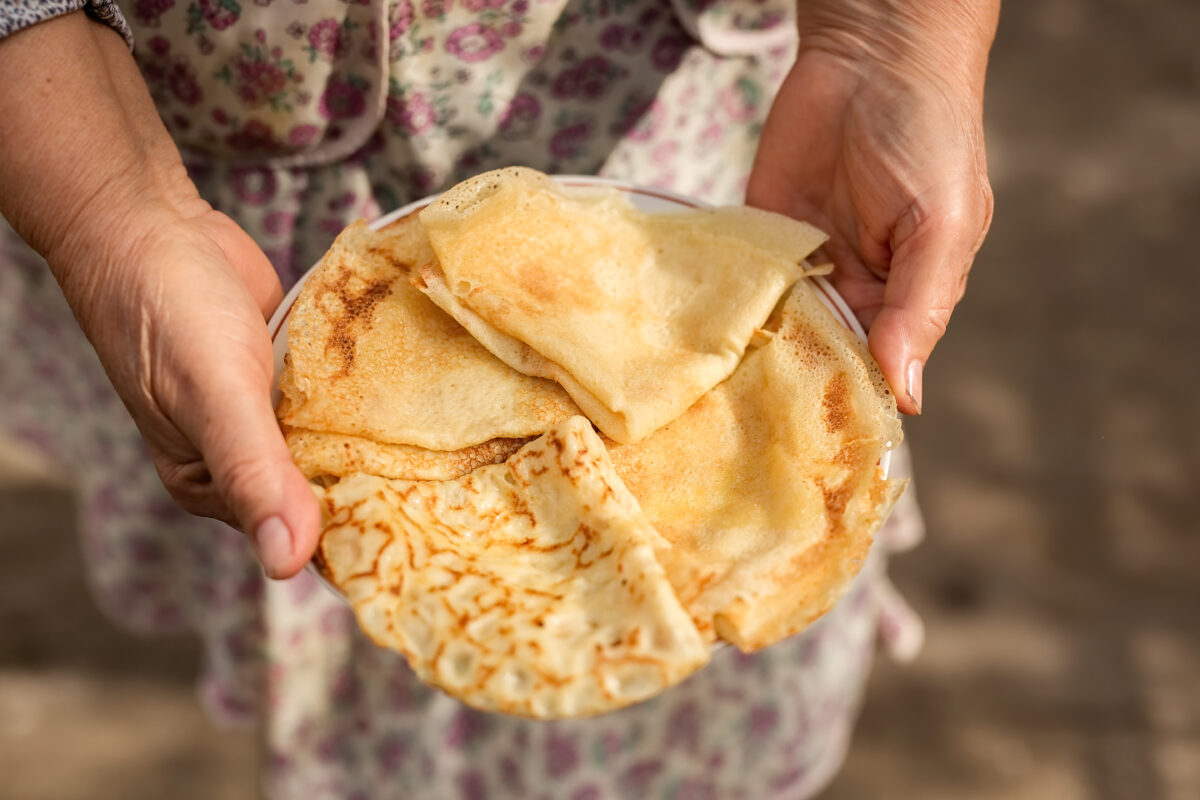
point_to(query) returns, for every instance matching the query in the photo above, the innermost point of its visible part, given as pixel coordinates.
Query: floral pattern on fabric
(232, 83)
(298, 118)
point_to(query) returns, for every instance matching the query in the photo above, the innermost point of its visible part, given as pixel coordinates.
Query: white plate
(645, 199)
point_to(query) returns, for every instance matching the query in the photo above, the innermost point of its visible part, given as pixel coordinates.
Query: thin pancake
(529, 587)
(636, 315)
(372, 357)
(319, 454)
(769, 486)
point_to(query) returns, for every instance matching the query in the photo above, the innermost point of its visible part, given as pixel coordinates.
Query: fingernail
(273, 541)
(913, 381)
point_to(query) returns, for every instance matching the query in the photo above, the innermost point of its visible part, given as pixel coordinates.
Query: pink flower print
(302, 135)
(436, 8)
(256, 82)
(468, 163)
(330, 225)
(182, 83)
(280, 223)
(520, 119)
(480, 5)
(510, 774)
(402, 19)
(762, 721)
(148, 12)
(664, 152)
(474, 42)
(413, 112)
(520, 7)
(220, 13)
(590, 79)
(622, 38)
(345, 688)
(336, 621)
(684, 726)
(471, 785)
(466, 729)
(254, 186)
(252, 137)
(423, 179)
(391, 753)
(342, 201)
(669, 50)
(159, 45)
(588, 792)
(643, 119)
(695, 790)
(741, 100)
(635, 781)
(712, 135)
(511, 29)
(568, 142)
(341, 100)
(326, 40)
(562, 756)
(370, 49)
(533, 54)
(295, 29)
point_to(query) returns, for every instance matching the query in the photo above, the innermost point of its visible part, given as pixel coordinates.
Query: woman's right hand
(176, 314)
(172, 294)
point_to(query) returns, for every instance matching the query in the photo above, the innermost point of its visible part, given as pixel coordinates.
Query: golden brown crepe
(637, 315)
(529, 587)
(769, 486)
(371, 357)
(735, 500)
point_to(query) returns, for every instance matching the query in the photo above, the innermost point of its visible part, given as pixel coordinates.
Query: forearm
(947, 39)
(86, 161)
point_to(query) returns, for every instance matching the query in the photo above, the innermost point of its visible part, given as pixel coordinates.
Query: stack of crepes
(564, 447)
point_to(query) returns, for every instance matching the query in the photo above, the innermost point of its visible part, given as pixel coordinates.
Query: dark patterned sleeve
(18, 14)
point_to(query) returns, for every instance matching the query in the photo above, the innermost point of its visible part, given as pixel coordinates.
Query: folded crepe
(529, 587)
(769, 487)
(378, 378)
(735, 499)
(636, 315)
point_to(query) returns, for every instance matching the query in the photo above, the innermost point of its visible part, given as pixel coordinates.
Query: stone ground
(1056, 461)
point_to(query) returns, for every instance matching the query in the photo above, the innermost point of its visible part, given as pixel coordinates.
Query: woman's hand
(176, 314)
(876, 138)
(172, 294)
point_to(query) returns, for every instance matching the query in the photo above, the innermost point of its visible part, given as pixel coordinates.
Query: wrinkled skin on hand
(179, 323)
(881, 146)
(172, 294)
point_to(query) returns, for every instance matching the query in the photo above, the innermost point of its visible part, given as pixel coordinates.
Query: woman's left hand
(876, 138)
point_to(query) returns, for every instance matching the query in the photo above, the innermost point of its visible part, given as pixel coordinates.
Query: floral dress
(297, 117)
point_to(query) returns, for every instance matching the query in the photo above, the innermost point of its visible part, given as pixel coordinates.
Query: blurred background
(1056, 463)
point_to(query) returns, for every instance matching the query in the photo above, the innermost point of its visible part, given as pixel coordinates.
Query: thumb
(926, 280)
(257, 479)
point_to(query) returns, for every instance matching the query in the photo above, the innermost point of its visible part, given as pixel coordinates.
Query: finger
(191, 486)
(926, 280)
(256, 477)
(248, 261)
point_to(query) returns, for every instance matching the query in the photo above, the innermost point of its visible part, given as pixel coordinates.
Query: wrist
(88, 168)
(942, 41)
